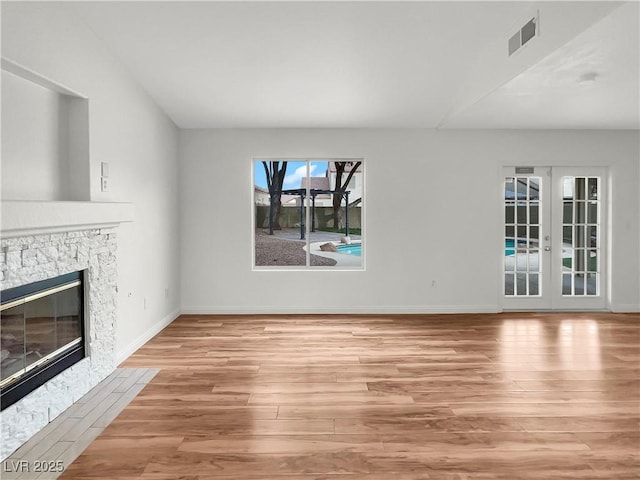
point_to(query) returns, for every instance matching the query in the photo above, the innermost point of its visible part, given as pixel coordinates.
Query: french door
(554, 242)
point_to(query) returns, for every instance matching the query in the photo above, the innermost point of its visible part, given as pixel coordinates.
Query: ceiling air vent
(522, 36)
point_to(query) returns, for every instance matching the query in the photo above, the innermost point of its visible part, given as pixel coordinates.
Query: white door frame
(550, 252)
(587, 302)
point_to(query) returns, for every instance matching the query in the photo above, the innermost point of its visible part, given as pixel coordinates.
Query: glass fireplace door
(42, 325)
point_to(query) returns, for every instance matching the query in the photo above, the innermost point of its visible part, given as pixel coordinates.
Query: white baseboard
(270, 310)
(630, 308)
(123, 354)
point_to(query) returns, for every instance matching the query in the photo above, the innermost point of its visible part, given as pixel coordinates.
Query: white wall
(134, 136)
(447, 228)
(33, 141)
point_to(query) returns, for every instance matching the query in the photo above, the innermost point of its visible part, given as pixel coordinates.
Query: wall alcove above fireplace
(45, 138)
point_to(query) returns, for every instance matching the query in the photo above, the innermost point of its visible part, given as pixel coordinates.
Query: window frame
(255, 163)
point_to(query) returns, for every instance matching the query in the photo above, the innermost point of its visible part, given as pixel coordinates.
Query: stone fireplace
(79, 237)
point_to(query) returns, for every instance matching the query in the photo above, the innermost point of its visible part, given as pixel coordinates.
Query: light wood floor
(510, 396)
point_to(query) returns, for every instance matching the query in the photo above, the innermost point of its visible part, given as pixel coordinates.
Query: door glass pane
(578, 284)
(567, 262)
(580, 236)
(509, 188)
(593, 236)
(508, 284)
(592, 260)
(567, 212)
(521, 285)
(578, 260)
(533, 214)
(522, 236)
(567, 235)
(509, 215)
(580, 212)
(509, 232)
(593, 189)
(567, 188)
(522, 213)
(533, 258)
(522, 188)
(533, 283)
(592, 212)
(580, 189)
(534, 189)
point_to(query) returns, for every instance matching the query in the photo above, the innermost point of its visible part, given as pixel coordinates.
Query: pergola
(313, 192)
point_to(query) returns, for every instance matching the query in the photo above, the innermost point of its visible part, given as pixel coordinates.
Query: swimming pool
(509, 243)
(352, 249)
(510, 246)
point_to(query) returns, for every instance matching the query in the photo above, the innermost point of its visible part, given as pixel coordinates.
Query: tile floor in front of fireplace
(50, 451)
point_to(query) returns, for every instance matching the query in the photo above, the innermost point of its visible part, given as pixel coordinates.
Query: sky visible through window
(294, 175)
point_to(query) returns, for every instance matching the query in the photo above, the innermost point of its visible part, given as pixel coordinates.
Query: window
(308, 213)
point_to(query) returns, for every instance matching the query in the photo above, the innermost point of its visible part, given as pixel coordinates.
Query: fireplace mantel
(31, 217)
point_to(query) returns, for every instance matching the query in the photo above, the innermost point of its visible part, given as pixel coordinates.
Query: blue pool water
(509, 244)
(352, 249)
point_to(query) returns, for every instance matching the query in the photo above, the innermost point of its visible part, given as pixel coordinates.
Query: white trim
(523, 302)
(26, 73)
(560, 310)
(124, 353)
(591, 302)
(34, 217)
(361, 266)
(386, 310)
(625, 308)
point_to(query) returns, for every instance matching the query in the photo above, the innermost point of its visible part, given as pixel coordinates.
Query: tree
(339, 188)
(275, 173)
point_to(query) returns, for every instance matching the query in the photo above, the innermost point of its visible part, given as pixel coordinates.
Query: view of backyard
(308, 213)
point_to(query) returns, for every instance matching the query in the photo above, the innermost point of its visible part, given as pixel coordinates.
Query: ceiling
(378, 64)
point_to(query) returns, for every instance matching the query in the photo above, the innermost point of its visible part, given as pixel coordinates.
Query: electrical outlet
(104, 184)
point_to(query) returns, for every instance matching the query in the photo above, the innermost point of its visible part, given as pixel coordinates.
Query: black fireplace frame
(39, 376)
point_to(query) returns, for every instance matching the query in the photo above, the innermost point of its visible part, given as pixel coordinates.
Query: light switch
(104, 169)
